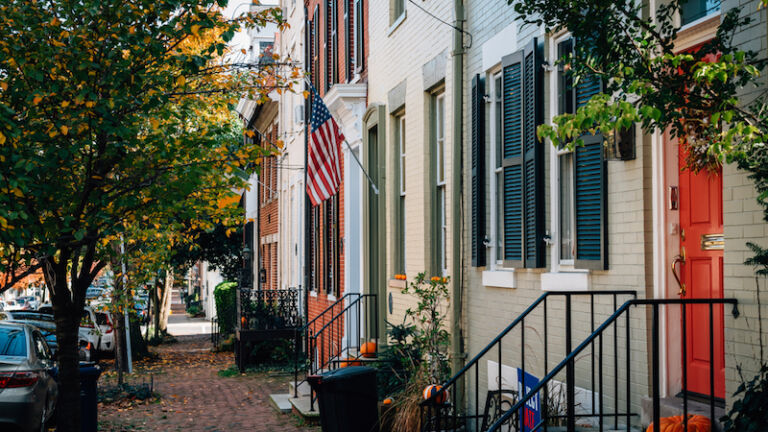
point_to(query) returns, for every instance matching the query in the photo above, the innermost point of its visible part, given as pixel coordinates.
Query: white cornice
(346, 102)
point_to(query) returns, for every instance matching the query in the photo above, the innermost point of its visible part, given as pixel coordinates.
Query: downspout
(457, 357)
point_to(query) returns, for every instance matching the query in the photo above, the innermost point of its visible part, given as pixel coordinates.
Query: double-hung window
(358, 45)
(581, 178)
(400, 197)
(396, 10)
(516, 175)
(440, 184)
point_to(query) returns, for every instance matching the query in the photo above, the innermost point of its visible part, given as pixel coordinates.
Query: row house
(564, 265)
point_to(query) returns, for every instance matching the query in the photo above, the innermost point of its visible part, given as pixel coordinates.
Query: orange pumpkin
(368, 350)
(387, 401)
(696, 423)
(349, 361)
(431, 390)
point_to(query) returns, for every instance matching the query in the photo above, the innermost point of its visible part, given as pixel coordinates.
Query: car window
(13, 342)
(86, 320)
(41, 348)
(102, 318)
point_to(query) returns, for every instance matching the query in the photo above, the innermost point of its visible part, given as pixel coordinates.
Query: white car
(99, 328)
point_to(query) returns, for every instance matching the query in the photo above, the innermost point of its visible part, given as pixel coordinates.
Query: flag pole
(373, 185)
(370, 180)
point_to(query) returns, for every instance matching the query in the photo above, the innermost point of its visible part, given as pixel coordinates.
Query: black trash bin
(347, 399)
(89, 408)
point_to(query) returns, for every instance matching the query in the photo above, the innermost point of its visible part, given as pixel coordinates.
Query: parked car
(45, 323)
(101, 331)
(28, 389)
(141, 303)
(93, 293)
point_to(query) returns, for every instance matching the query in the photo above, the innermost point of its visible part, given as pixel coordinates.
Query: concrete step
(304, 389)
(281, 402)
(300, 406)
(672, 406)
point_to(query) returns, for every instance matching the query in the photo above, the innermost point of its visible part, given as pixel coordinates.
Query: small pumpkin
(349, 361)
(431, 390)
(696, 423)
(368, 350)
(387, 401)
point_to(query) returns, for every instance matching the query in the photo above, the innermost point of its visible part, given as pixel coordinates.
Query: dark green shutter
(512, 163)
(478, 171)
(533, 115)
(590, 194)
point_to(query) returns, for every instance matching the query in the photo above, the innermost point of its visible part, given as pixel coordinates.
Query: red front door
(701, 246)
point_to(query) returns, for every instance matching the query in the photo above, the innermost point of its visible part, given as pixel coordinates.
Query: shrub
(225, 295)
(750, 413)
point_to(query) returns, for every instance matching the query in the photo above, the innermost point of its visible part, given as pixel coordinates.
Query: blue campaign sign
(530, 415)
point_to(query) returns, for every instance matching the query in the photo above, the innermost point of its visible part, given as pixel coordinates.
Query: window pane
(498, 126)
(442, 221)
(13, 342)
(566, 194)
(499, 216)
(565, 79)
(692, 10)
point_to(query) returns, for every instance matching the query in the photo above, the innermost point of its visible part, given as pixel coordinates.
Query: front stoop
(300, 406)
(304, 388)
(281, 402)
(673, 406)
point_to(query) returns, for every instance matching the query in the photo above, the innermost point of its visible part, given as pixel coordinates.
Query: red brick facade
(332, 54)
(268, 216)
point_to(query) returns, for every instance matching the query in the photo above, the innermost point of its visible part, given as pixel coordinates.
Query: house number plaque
(712, 242)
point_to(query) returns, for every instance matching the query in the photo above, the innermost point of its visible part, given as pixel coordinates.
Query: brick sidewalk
(195, 398)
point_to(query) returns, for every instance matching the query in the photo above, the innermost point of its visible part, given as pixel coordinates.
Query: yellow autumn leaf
(64, 130)
(65, 104)
(195, 30)
(2, 138)
(180, 80)
(36, 100)
(90, 104)
(4, 85)
(154, 122)
(306, 94)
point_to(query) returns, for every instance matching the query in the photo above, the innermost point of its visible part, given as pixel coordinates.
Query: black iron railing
(336, 335)
(453, 414)
(215, 333)
(596, 337)
(276, 309)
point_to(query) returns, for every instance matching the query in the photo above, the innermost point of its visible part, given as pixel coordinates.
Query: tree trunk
(138, 344)
(67, 316)
(117, 319)
(166, 300)
(157, 296)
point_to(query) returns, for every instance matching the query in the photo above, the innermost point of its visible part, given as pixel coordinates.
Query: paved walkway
(183, 325)
(195, 398)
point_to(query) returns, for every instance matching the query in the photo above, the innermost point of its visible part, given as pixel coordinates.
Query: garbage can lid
(346, 373)
(90, 371)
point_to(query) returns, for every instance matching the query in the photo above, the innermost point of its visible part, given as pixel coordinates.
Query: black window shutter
(512, 163)
(478, 171)
(590, 193)
(533, 114)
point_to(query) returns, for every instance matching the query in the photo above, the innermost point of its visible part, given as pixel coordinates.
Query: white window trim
(399, 20)
(440, 172)
(496, 262)
(561, 273)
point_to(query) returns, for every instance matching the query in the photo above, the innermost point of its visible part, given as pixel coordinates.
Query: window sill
(330, 297)
(565, 281)
(313, 294)
(499, 279)
(395, 283)
(397, 23)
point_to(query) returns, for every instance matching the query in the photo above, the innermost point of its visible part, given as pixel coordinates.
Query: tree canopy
(116, 119)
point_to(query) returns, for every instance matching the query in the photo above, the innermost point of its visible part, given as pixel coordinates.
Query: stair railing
(337, 333)
(444, 416)
(596, 336)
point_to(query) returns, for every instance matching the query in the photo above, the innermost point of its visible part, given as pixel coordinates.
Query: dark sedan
(28, 390)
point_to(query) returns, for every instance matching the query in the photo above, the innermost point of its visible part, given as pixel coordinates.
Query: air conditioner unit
(298, 114)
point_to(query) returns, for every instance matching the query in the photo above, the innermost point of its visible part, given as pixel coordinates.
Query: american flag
(324, 153)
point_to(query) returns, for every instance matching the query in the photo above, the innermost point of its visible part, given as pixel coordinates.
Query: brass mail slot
(712, 242)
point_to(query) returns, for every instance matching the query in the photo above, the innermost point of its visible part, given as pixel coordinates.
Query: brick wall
(744, 223)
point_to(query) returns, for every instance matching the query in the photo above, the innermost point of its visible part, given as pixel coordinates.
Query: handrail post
(570, 372)
(655, 367)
